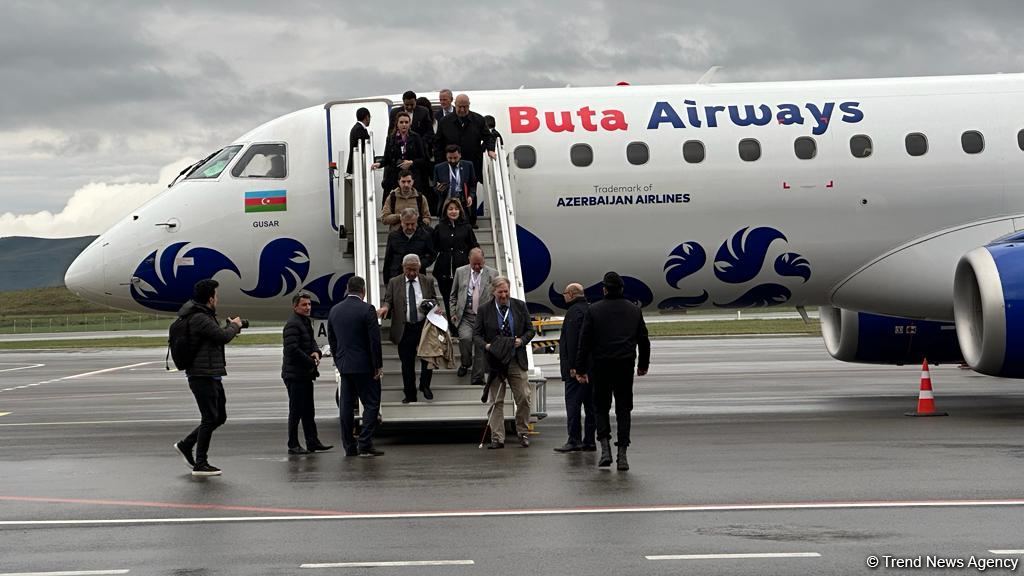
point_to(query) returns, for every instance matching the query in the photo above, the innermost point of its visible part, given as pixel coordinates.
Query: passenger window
(582, 155)
(637, 153)
(805, 148)
(262, 161)
(750, 149)
(693, 151)
(525, 157)
(972, 142)
(215, 165)
(860, 146)
(917, 144)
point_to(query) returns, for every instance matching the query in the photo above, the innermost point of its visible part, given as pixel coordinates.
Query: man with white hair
(402, 297)
(411, 238)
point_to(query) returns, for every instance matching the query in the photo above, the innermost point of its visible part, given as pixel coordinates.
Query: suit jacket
(467, 175)
(395, 300)
(439, 115)
(569, 339)
(357, 134)
(457, 301)
(354, 335)
(422, 122)
(487, 326)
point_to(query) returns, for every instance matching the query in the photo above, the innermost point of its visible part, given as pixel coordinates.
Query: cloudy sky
(102, 102)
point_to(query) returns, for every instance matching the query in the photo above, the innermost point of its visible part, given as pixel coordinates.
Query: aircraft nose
(85, 277)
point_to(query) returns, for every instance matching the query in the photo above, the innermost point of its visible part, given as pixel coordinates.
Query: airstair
(455, 399)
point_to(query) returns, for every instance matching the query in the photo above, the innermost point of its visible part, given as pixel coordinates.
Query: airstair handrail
(373, 273)
(359, 234)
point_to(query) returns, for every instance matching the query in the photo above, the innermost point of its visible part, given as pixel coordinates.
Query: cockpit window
(262, 161)
(215, 165)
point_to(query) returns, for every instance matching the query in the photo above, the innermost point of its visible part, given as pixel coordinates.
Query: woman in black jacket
(405, 150)
(453, 239)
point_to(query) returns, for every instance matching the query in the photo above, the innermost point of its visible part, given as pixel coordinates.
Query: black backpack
(179, 343)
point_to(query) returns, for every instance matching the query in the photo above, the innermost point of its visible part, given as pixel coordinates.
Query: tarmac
(756, 455)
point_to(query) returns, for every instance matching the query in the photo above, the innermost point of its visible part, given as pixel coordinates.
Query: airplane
(894, 205)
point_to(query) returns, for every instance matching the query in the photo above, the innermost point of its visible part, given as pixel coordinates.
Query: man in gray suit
(403, 296)
(354, 336)
(469, 288)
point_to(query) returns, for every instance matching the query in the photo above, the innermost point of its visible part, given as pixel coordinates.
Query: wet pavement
(741, 446)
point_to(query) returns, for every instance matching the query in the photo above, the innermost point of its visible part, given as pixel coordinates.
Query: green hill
(37, 262)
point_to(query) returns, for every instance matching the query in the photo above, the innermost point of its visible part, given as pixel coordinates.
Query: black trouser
(613, 378)
(367, 389)
(209, 393)
(445, 284)
(300, 407)
(579, 396)
(407, 354)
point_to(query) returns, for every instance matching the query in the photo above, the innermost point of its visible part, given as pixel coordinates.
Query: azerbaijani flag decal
(266, 201)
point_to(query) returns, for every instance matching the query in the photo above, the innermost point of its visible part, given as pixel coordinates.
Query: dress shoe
(524, 440)
(463, 371)
(427, 394)
(370, 453)
(568, 447)
(408, 400)
(319, 447)
(298, 450)
(495, 445)
(589, 448)
(351, 453)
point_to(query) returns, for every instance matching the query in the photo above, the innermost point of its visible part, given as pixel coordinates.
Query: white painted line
(73, 573)
(866, 505)
(1007, 552)
(156, 421)
(388, 564)
(104, 371)
(736, 556)
(4, 413)
(22, 368)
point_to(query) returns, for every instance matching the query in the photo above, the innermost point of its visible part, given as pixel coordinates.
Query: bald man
(467, 129)
(577, 394)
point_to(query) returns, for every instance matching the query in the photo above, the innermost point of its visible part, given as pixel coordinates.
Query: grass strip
(659, 330)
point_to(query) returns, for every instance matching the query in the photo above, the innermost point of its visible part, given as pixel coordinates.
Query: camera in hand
(245, 323)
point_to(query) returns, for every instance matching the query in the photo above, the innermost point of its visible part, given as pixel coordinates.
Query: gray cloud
(117, 89)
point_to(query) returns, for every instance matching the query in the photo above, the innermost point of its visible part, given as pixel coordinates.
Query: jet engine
(873, 339)
(988, 307)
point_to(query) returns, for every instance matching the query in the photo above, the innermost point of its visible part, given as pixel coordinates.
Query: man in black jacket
(467, 129)
(411, 238)
(612, 330)
(299, 370)
(207, 339)
(577, 394)
(503, 318)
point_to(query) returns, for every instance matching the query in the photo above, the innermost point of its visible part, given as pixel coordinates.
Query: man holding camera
(403, 298)
(206, 339)
(299, 370)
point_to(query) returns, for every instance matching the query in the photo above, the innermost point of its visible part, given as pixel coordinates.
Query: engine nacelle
(988, 306)
(872, 339)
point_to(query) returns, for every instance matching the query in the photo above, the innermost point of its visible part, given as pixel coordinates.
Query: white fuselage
(810, 224)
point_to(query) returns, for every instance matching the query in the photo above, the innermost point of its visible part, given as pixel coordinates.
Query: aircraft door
(341, 117)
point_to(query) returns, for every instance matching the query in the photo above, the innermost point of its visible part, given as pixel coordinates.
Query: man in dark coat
(359, 133)
(456, 178)
(208, 367)
(422, 119)
(577, 394)
(613, 329)
(467, 129)
(299, 370)
(505, 318)
(354, 336)
(410, 239)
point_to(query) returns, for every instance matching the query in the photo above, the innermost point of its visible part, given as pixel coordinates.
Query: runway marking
(1007, 552)
(390, 564)
(155, 421)
(4, 413)
(736, 556)
(30, 366)
(77, 376)
(170, 505)
(71, 573)
(308, 515)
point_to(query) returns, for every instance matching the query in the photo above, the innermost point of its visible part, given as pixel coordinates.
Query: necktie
(453, 175)
(475, 296)
(506, 330)
(413, 315)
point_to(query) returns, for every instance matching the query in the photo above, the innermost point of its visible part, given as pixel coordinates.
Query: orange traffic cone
(925, 400)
